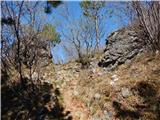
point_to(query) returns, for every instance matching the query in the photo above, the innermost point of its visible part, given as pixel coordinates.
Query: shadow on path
(34, 101)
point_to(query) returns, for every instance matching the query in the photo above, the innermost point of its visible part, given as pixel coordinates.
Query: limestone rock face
(121, 46)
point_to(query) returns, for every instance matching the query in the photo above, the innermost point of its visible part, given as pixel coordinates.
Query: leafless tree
(22, 39)
(94, 11)
(148, 14)
(15, 26)
(78, 34)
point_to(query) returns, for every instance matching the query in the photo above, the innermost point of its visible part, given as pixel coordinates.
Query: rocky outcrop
(121, 46)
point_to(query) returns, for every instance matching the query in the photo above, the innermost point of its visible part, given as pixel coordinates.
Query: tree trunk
(97, 34)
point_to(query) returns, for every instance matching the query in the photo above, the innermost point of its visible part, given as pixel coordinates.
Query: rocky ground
(129, 92)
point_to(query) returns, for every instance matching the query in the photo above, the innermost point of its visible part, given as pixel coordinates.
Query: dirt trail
(77, 108)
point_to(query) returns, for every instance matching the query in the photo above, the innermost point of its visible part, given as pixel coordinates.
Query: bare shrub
(148, 14)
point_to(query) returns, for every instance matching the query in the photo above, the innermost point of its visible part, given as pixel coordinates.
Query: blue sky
(111, 24)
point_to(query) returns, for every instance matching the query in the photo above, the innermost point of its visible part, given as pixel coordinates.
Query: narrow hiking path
(68, 81)
(76, 107)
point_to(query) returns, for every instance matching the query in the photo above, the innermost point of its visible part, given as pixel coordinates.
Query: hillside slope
(125, 87)
(130, 92)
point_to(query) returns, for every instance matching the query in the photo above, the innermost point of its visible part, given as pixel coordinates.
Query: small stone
(10, 113)
(48, 81)
(97, 96)
(127, 62)
(95, 118)
(75, 93)
(99, 73)
(107, 115)
(57, 86)
(112, 83)
(94, 70)
(114, 78)
(126, 92)
(35, 76)
(157, 52)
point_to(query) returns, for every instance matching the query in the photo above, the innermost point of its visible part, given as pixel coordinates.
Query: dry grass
(143, 68)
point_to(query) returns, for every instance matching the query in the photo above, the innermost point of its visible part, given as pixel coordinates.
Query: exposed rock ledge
(121, 46)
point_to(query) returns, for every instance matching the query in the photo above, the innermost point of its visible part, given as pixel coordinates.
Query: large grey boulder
(121, 46)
